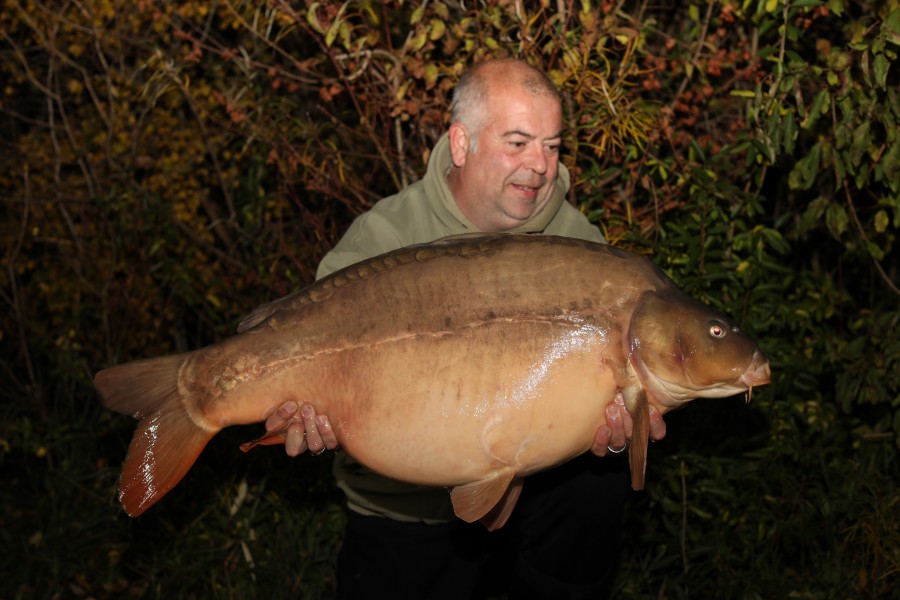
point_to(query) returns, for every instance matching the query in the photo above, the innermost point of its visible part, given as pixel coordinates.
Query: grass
(238, 526)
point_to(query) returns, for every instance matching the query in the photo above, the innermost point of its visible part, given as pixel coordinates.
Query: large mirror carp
(467, 363)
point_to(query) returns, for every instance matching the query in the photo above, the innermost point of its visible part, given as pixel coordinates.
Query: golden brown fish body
(466, 363)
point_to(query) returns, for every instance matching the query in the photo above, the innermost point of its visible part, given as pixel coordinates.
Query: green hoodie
(423, 212)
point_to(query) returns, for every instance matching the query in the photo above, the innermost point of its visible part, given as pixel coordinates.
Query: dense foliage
(168, 166)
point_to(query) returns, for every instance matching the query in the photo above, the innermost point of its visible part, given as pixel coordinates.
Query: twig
(862, 234)
(216, 222)
(561, 9)
(773, 89)
(696, 56)
(14, 301)
(365, 121)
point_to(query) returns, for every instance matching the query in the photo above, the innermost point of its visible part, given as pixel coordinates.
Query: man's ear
(459, 144)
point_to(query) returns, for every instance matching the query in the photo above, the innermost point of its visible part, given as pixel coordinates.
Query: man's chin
(523, 210)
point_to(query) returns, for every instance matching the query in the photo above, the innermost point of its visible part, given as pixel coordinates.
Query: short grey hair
(470, 95)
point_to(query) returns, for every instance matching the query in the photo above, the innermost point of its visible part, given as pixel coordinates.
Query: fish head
(682, 349)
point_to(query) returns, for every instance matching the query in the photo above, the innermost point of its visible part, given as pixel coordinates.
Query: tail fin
(167, 440)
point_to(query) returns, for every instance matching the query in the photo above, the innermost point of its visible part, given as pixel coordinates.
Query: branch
(862, 234)
(696, 56)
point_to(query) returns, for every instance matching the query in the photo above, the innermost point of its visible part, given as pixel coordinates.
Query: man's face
(510, 174)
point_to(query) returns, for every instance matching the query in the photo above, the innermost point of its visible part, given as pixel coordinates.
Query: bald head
(472, 94)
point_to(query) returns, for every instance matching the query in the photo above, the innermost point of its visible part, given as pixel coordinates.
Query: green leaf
(431, 75)
(837, 220)
(842, 136)
(836, 7)
(890, 29)
(881, 221)
(763, 143)
(418, 14)
(874, 250)
(890, 160)
(821, 104)
(862, 140)
(804, 172)
(420, 39)
(438, 28)
(881, 70)
(336, 26)
(696, 151)
(313, 19)
(788, 134)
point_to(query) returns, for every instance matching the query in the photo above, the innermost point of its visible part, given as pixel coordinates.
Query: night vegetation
(166, 167)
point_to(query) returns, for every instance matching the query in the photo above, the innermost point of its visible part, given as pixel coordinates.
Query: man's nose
(537, 159)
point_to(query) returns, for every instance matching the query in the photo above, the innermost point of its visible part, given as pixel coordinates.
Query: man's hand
(304, 429)
(615, 435)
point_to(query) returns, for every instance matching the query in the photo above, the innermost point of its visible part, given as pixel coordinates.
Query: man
(496, 170)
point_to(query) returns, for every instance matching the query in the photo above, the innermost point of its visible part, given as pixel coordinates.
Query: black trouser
(561, 542)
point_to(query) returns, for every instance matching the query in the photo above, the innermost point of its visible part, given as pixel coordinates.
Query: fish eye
(717, 330)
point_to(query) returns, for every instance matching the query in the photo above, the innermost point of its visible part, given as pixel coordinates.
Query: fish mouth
(758, 373)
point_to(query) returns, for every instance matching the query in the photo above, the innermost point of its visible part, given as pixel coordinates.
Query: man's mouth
(528, 189)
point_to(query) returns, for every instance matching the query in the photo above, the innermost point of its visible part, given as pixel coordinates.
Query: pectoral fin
(639, 409)
(474, 501)
(270, 439)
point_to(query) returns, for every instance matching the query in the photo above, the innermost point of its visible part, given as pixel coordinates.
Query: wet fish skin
(467, 363)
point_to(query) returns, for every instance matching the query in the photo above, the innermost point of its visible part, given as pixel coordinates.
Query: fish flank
(238, 377)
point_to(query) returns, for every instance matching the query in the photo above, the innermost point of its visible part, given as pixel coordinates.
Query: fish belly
(450, 408)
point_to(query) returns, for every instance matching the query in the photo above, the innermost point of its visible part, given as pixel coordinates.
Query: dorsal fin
(462, 244)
